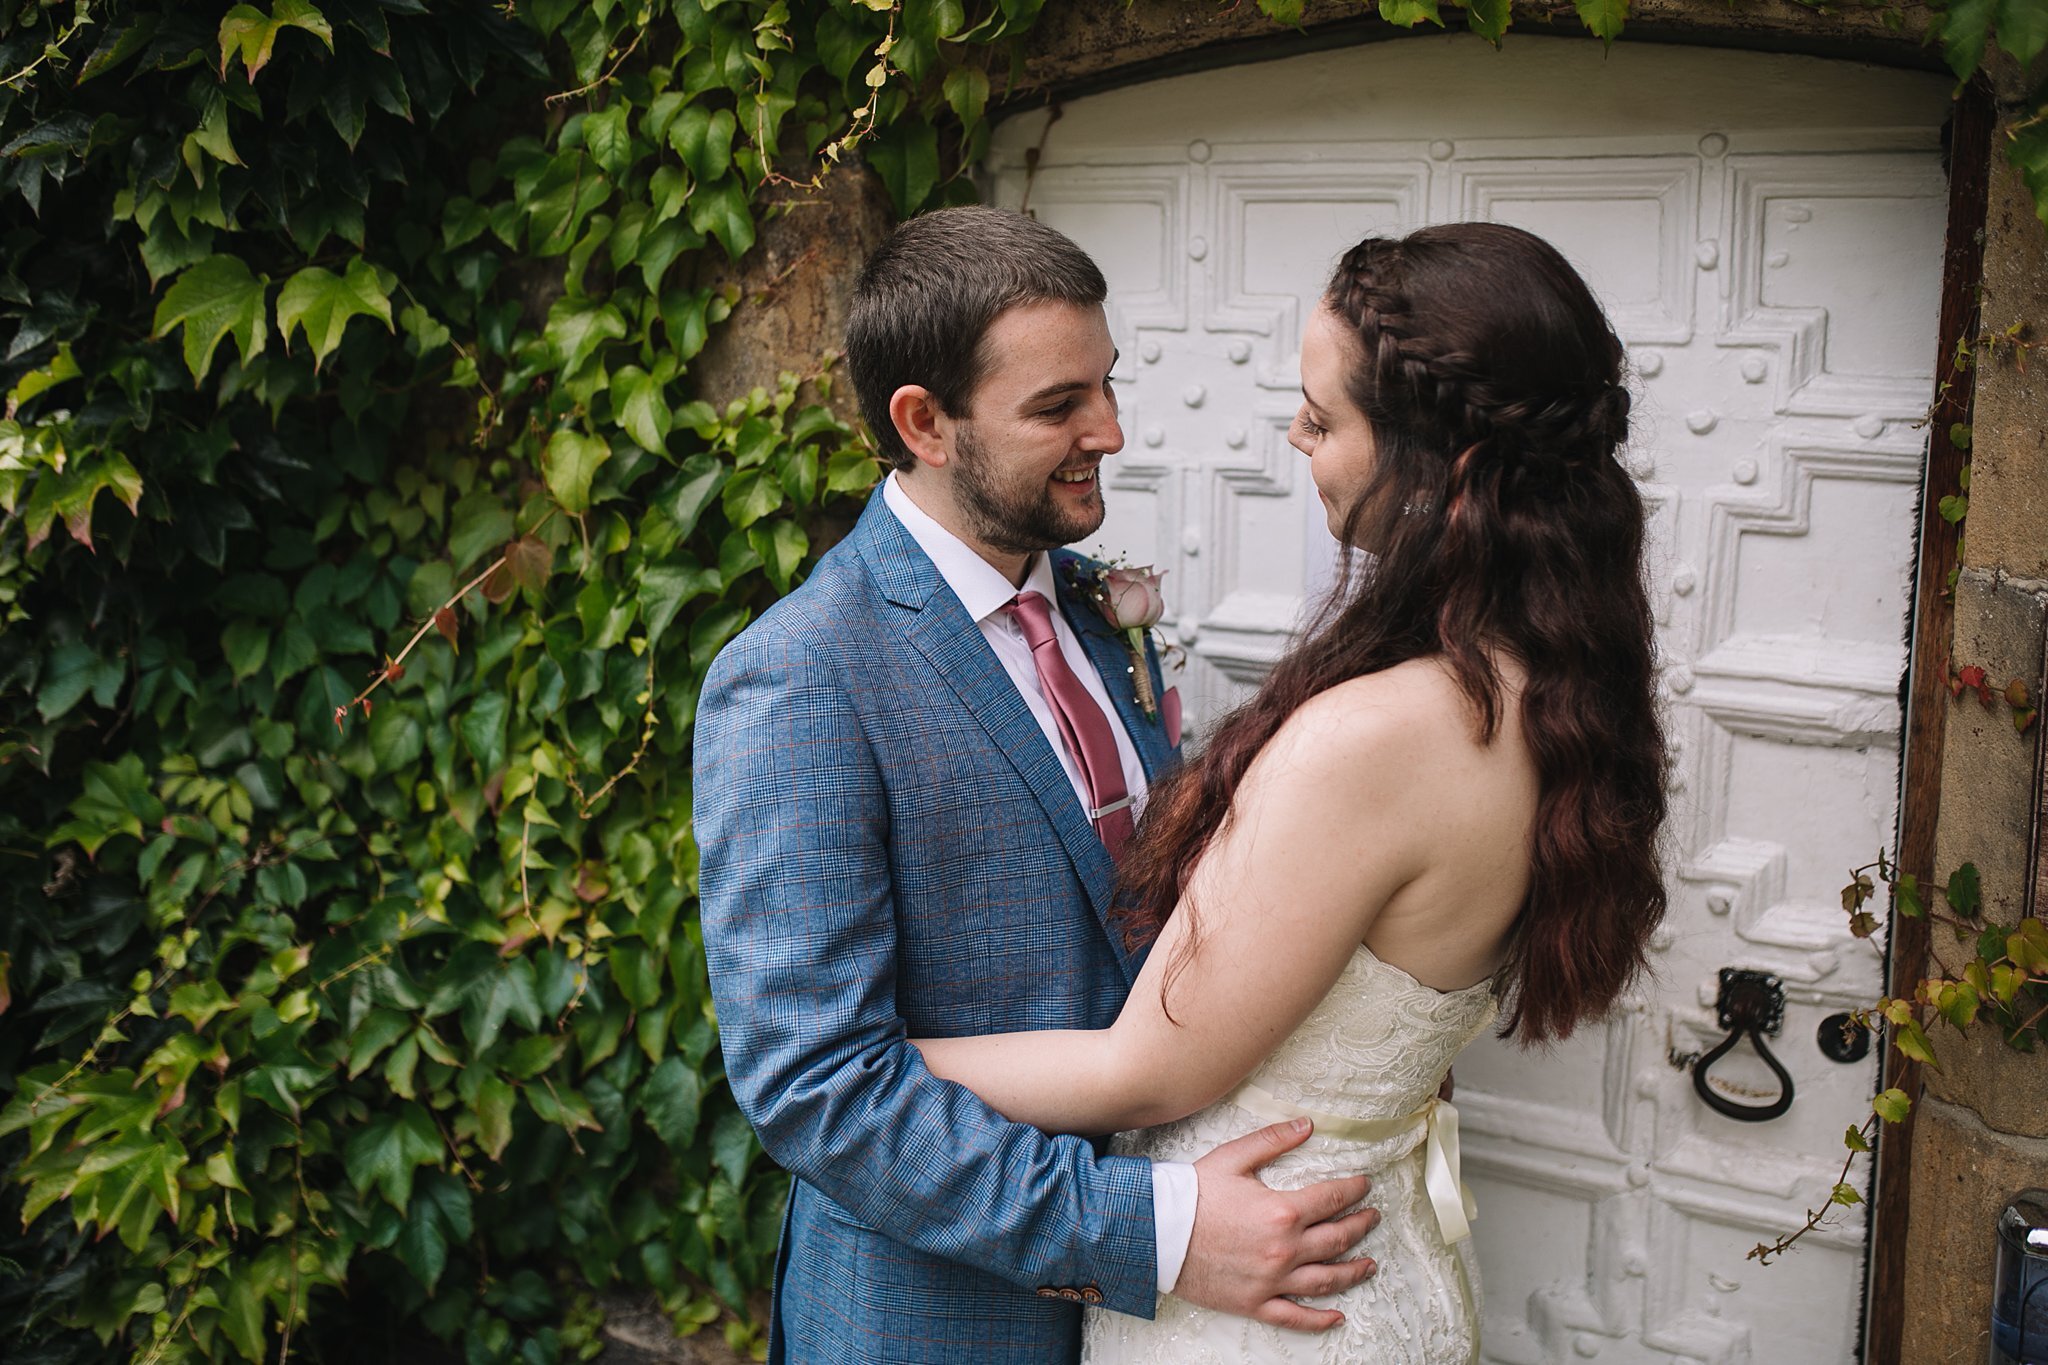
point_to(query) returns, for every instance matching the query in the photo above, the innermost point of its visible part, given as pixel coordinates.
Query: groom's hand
(1253, 1246)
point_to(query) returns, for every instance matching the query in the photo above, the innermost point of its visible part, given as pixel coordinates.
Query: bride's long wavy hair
(1501, 519)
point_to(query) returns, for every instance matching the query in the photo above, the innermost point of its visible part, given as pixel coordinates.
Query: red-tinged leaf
(2016, 694)
(591, 884)
(79, 524)
(366, 704)
(1955, 687)
(444, 621)
(529, 561)
(1973, 676)
(499, 585)
(393, 670)
(2023, 721)
(341, 717)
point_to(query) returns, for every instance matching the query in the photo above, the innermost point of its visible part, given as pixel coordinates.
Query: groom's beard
(1019, 517)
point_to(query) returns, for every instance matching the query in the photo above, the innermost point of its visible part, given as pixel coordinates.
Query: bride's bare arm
(1321, 835)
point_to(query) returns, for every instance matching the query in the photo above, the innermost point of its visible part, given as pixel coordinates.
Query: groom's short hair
(927, 297)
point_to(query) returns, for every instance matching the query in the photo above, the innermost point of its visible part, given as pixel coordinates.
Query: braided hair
(1500, 518)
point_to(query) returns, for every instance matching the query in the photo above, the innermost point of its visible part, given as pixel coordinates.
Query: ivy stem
(1764, 1254)
(605, 79)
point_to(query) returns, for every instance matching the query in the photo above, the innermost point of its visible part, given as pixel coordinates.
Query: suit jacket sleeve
(799, 931)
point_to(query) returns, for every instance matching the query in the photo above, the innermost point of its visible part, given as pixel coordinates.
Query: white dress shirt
(984, 592)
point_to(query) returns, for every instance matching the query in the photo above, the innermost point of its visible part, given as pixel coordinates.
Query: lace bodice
(1376, 1048)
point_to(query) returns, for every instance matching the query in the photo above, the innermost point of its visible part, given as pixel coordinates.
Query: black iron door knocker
(1752, 1004)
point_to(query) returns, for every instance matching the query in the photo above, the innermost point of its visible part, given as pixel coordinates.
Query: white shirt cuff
(1174, 1188)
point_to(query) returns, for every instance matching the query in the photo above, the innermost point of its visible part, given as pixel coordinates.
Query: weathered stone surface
(2008, 523)
(794, 287)
(637, 1332)
(1963, 1174)
(1987, 783)
(2005, 1088)
(1080, 45)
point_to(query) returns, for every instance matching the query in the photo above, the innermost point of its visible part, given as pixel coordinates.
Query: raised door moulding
(1484, 189)
(1805, 384)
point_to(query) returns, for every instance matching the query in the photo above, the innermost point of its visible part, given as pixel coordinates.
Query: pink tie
(1082, 724)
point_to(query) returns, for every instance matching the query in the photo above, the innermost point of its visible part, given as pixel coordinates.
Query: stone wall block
(794, 288)
(2005, 1088)
(1987, 777)
(1963, 1174)
(2008, 523)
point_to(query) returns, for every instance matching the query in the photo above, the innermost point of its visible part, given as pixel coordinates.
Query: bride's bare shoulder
(1416, 706)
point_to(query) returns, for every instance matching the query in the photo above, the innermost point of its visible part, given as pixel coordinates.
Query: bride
(1443, 803)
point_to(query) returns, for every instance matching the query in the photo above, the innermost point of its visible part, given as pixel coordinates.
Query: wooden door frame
(1926, 695)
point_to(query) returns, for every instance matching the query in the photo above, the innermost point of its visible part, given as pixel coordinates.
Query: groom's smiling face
(1025, 460)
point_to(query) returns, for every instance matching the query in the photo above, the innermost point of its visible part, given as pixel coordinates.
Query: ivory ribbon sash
(1441, 1167)
(1455, 1208)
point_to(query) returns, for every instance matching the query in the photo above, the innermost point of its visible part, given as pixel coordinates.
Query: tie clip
(1110, 809)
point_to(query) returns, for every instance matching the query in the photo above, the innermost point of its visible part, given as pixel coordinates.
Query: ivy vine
(363, 541)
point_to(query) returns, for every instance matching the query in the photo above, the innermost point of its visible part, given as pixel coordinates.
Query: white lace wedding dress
(1366, 1064)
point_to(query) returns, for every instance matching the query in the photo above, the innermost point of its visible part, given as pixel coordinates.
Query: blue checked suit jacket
(891, 849)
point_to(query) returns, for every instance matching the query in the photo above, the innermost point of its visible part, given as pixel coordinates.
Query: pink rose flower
(1131, 598)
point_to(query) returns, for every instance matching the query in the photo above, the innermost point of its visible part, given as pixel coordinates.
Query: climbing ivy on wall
(363, 541)
(324, 322)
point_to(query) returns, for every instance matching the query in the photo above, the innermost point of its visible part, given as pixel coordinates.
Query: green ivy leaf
(966, 91)
(608, 138)
(1911, 1039)
(241, 1313)
(569, 463)
(387, 1152)
(1854, 1140)
(782, 545)
(665, 588)
(1963, 893)
(1892, 1105)
(76, 669)
(722, 211)
(749, 496)
(1954, 508)
(733, 1146)
(320, 303)
(494, 1101)
(1603, 18)
(439, 1214)
(577, 327)
(702, 137)
(636, 396)
(1409, 13)
(246, 645)
(906, 156)
(1488, 18)
(397, 738)
(216, 298)
(672, 1099)
(1965, 28)
(248, 32)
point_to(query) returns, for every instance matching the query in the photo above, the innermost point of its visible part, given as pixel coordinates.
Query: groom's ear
(922, 424)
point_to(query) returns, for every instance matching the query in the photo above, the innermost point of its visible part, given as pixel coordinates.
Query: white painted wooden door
(1765, 232)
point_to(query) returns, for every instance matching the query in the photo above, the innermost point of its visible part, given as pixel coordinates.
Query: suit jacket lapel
(953, 644)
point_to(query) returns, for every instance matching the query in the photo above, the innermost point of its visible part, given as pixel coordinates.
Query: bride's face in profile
(1330, 429)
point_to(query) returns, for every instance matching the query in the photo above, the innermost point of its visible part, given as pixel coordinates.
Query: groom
(912, 778)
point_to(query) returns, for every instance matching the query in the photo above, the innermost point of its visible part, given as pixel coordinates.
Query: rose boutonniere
(1130, 600)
